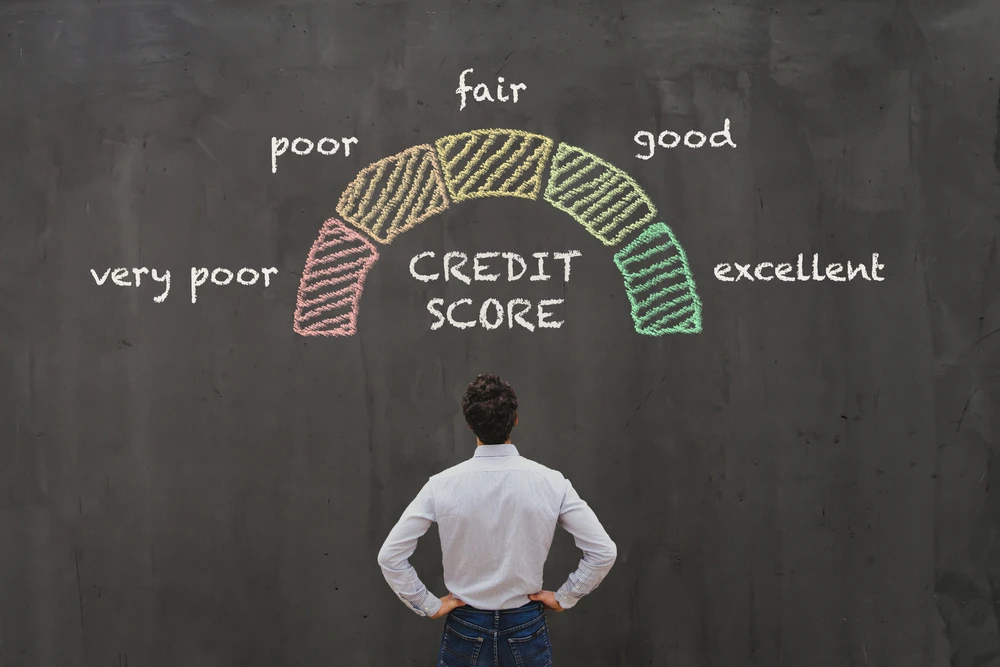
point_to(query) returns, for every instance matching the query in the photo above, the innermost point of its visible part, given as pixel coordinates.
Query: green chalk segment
(662, 294)
(600, 196)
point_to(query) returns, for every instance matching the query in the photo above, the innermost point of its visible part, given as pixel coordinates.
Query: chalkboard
(738, 261)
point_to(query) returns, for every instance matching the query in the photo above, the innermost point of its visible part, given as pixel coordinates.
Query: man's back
(497, 513)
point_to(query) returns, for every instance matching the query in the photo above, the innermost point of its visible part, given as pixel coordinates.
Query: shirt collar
(496, 450)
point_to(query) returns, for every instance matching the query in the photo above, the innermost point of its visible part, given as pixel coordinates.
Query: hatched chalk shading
(395, 193)
(600, 196)
(494, 163)
(332, 281)
(659, 283)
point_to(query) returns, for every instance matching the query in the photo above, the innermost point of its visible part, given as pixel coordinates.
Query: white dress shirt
(496, 513)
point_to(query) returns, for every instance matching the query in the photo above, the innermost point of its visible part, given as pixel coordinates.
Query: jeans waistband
(534, 604)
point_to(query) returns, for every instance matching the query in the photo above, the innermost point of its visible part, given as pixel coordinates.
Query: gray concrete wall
(812, 481)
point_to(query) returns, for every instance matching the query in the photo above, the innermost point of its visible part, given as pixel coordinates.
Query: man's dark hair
(490, 408)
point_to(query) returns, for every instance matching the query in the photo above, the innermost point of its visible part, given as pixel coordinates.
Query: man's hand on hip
(547, 598)
(448, 602)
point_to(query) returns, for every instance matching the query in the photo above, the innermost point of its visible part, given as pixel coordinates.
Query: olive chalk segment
(601, 197)
(399, 192)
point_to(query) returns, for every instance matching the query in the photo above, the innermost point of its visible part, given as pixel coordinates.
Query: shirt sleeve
(400, 544)
(599, 551)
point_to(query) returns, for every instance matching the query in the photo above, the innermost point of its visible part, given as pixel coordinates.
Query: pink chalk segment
(332, 281)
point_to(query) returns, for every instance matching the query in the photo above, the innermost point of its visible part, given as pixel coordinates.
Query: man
(497, 513)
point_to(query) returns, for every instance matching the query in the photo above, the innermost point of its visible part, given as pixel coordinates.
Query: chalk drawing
(659, 283)
(332, 281)
(120, 278)
(481, 92)
(395, 194)
(783, 271)
(303, 146)
(200, 276)
(692, 139)
(601, 197)
(494, 163)
(493, 309)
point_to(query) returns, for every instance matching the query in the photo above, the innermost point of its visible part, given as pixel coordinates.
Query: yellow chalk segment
(494, 163)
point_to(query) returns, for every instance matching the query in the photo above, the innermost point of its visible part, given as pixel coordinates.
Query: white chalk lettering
(757, 271)
(477, 268)
(227, 272)
(453, 270)
(817, 272)
(300, 151)
(542, 314)
(726, 137)
(875, 267)
(451, 318)
(453, 261)
(667, 133)
(693, 139)
(120, 278)
(432, 309)
(198, 278)
(567, 257)
(510, 257)
(691, 144)
(481, 92)
(241, 281)
(278, 147)
(319, 146)
(222, 276)
(484, 312)
(303, 146)
(519, 315)
(721, 270)
(492, 314)
(413, 267)
(541, 275)
(165, 279)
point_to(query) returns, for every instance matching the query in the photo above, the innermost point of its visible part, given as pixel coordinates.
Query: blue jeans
(507, 638)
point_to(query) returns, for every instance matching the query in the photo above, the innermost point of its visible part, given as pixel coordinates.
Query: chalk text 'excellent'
(766, 271)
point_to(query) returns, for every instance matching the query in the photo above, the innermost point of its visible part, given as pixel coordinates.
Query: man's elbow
(608, 555)
(385, 559)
